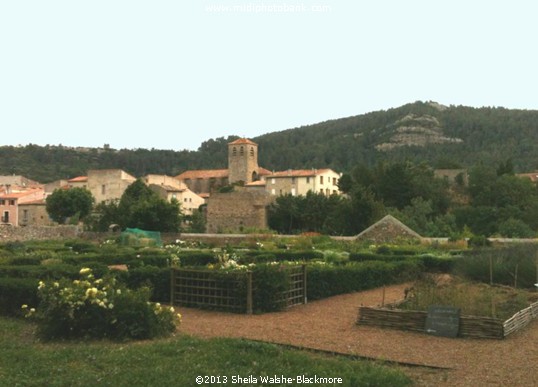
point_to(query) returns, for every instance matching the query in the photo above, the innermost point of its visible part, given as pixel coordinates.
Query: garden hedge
(17, 291)
(326, 280)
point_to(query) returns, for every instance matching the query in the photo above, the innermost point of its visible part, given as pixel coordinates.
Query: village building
(107, 185)
(256, 188)
(17, 180)
(13, 197)
(300, 182)
(237, 211)
(34, 214)
(169, 188)
(242, 168)
(78, 182)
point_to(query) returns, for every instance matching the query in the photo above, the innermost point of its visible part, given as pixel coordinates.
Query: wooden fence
(470, 326)
(229, 291)
(521, 319)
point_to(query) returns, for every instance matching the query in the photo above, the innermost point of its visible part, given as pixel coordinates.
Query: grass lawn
(176, 361)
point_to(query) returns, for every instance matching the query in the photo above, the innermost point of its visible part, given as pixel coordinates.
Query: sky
(170, 74)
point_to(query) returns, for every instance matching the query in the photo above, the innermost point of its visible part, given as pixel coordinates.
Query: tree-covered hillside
(444, 137)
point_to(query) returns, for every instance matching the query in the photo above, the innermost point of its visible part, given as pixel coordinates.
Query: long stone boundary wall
(12, 234)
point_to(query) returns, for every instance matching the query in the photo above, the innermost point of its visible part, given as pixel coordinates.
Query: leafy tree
(140, 207)
(345, 183)
(66, 203)
(197, 221)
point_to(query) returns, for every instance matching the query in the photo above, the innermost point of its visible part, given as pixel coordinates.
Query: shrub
(327, 280)
(39, 271)
(99, 308)
(25, 261)
(155, 278)
(16, 291)
(196, 258)
(259, 258)
(288, 255)
(270, 284)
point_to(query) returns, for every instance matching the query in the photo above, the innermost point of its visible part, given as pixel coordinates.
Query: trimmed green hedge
(17, 291)
(156, 278)
(326, 280)
(279, 256)
(429, 262)
(43, 272)
(196, 258)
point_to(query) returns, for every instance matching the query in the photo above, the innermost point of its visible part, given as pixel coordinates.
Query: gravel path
(330, 324)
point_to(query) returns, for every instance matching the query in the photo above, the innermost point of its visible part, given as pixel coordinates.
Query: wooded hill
(442, 136)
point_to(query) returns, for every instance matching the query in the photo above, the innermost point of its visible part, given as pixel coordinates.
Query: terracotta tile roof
(17, 195)
(264, 172)
(204, 195)
(78, 179)
(299, 173)
(203, 174)
(242, 141)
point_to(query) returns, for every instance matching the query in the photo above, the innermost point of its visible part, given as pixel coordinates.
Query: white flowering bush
(99, 308)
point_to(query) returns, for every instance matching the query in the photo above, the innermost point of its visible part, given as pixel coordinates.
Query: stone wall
(11, 234)
(237, 211)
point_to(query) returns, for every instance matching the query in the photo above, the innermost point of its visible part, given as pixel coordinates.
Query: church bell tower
(242, 161)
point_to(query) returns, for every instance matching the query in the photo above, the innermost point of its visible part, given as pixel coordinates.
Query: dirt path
(330, 324)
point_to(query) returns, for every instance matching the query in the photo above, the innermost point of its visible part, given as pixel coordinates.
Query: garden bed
(487, 312)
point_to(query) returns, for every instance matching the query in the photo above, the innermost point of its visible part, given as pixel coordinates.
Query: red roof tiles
(203, 174)
(299, 173)
(242, 141)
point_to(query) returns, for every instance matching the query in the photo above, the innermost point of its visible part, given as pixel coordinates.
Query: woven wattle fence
(470, 326)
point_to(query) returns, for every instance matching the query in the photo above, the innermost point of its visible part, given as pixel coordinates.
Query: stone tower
(242, 161)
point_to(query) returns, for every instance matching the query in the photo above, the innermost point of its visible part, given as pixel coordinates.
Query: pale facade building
(107, 185)
(300, 182)
(170, 188)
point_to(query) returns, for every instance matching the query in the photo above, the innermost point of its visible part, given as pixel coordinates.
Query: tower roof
(242, 141)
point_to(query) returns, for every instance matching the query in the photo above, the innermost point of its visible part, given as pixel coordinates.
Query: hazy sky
(171, 74)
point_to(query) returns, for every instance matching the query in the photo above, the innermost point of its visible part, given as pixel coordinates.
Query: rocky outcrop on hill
(414, 130)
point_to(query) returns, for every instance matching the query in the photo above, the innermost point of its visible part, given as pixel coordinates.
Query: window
(273, 192)
(234, 151)
(241, 151)
(273, 181)
(307, 180)
(293, 192)
(103, 189)
(321, 180)
(12, 202)
(334, 180)
(293, 180)
(5, 217)
(25, 216)
(252, 151)
(185, 200)
(2, 202)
